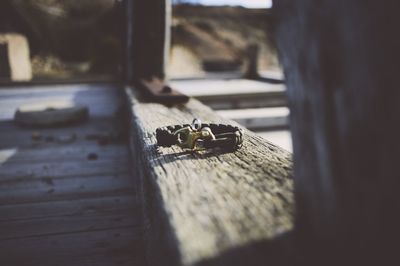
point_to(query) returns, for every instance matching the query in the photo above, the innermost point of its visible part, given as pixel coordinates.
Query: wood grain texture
(33, 210)
(57, 152)
(96, 96)
(63, 200)
(48, 189)
(83, 133)
(11, 172)
(210, 208)
(27, 228)
(341, 61)
(120, 246)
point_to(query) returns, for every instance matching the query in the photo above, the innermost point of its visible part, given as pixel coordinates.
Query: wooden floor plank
(13, 136)
(91, 221)
(58, 205)
(223, 94)
(65, 188)
(120, 246)
(33, 210)
(11, 172)
(102, 101)
(79, 151)
(259, 118)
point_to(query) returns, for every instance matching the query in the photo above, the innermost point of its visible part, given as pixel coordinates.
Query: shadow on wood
(202, 209)
(341, 65)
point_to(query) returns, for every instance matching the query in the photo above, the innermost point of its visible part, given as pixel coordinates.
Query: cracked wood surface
(212, 207)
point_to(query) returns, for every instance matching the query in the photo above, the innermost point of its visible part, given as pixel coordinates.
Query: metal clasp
(188, 137)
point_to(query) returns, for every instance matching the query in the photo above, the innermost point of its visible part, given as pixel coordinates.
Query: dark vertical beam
(252, 54)
(150, 37)
(5, 69)
(341, 60)
(128, 55)
(6, 13)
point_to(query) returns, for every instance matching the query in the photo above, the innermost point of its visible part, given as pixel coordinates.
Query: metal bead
(196, 124)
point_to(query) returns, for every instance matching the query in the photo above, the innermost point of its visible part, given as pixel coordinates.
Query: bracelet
(200, 136)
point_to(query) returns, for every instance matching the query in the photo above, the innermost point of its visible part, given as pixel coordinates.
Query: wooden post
(150, 37)
(341, 60)
(5, 70)
(252, 62)
(15, 57)
(128, 58)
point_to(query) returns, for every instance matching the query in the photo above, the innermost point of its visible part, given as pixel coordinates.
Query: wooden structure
(15, 63)
(209, 208)
(67, 196)
(73, 195)
(202, 209)
(77, 202)
(83, 195)
(341, 62)
(233, 93)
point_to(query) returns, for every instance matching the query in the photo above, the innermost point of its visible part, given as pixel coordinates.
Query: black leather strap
(227, 136)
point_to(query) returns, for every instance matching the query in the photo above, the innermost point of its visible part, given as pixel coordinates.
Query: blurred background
(212, 36)
(214, 46)
(222, 52)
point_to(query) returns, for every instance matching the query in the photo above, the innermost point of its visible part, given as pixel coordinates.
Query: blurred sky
(245, 3)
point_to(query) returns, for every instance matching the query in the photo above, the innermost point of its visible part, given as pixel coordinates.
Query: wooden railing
(209, 208)
(341, 70)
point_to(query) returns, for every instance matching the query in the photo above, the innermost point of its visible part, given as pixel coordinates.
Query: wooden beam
(150, 37)
(341, 65)
(114, 246)
(15, 59)
(210, 208)
(5, 69)
(252, 54)
(259, 118)
(128, 40)
(233, 93)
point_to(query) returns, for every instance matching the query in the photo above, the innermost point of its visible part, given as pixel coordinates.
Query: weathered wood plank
(120, 246)
(259, 118)
(59, 206)
(34, 210)
(79, 151)
(47, 189)
(105, 91)
(225, 87)
(11, 172)
(341, 61)
(209, 208)
(13, 136)
(68, 224)
(103, 100)
(233, 93)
